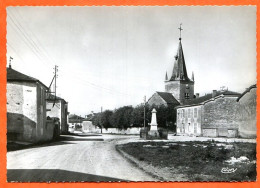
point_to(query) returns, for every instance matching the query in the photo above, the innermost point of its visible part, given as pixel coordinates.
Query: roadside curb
(141, 165)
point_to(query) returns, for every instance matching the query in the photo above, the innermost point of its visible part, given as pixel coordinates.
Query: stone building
(211, 115)
(58, 107)
(75, 122)
(246, 113)
(26, 108)
(180, 86)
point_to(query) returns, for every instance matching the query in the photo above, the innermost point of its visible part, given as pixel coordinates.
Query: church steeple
(179, 84)
(179, 69)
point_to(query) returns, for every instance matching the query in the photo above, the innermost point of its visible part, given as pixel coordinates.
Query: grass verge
(195, 161)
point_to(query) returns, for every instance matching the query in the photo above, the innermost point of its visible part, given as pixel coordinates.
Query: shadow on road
(16, 146)
(62, 140)
(84, 134)
(54, 175)
(72, 138)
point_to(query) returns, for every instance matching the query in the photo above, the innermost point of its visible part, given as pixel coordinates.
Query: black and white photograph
(131, 93)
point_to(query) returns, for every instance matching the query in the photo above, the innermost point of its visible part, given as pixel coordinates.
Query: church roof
(179, 69)
(13, 75)
(168, 98)
(199, 100)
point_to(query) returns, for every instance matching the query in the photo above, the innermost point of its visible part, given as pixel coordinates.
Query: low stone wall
(50, 124)
(134, 130)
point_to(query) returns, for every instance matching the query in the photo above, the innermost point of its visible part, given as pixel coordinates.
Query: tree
(122, 117)
(105, 119)
(138, 116)
(96, 119)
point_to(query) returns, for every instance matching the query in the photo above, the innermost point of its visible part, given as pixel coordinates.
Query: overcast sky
(113, 56)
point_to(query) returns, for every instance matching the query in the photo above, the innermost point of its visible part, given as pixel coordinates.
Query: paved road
(74, 158)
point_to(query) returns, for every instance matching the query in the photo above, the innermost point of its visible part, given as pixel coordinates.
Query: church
(216, 114)
(179, 88)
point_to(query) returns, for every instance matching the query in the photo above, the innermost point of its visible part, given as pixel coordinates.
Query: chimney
(197, 95)
(214, 93)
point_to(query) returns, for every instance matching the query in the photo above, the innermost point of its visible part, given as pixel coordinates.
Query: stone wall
(220, 115)
(87, 126)
(21, 111)
(246, 115)
(134, 130)
(41, 131)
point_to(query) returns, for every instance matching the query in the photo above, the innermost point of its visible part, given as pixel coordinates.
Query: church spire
(192, 76)
(179, 70)
(166, 76)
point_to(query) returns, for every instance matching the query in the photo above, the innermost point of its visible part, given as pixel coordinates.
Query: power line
(28, 41)
(40, 47)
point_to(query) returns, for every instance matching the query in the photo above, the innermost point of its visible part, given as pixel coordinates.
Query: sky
(110, 57)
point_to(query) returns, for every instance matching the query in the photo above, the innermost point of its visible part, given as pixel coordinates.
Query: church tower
(179, 84)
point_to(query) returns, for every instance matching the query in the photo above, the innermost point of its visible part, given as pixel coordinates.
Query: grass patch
(198, 161)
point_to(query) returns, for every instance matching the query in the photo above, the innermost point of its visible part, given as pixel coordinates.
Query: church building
(179, 88)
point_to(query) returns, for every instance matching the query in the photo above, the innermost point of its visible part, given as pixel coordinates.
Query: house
(75, 122)
(179, 88)
(246, 113)
(58, 107)
(26, 108)
(212, 115)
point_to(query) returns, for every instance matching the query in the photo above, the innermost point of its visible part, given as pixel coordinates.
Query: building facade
(58, 107)
(213, 115)
(26, 108)
(189, 120)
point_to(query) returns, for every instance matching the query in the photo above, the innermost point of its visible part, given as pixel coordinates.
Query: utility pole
(101, 120)
(144, 108)
(55, 83)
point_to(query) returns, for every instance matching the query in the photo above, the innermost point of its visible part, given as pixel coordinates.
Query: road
(74, 158)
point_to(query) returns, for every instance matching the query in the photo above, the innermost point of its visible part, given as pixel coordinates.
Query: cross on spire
(180, 31)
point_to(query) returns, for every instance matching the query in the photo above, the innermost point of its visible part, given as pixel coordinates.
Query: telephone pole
(55, 75)
(101, 119)
(55, 83)
(144, 108)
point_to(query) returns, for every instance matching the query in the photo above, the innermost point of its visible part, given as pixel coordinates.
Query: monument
(153, 129)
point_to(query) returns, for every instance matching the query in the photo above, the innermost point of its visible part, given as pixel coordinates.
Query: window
(195, 127)
(187, 96)
(195, 112)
